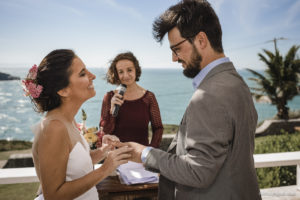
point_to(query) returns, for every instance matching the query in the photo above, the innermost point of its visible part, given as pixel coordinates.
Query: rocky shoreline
(7, 77)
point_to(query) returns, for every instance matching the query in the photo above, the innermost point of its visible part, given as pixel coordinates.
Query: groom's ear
(202, 40)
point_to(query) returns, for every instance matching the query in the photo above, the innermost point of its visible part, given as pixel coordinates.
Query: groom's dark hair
(190, 17)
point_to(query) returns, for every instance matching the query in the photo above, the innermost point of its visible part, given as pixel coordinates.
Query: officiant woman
(138, 106)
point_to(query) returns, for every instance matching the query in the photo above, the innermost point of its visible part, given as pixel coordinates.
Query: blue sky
(99, 29)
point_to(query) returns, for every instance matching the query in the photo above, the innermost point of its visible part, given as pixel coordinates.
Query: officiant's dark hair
(112, 76)
(53, 75)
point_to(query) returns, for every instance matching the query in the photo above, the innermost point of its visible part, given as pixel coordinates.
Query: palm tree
(281, 81)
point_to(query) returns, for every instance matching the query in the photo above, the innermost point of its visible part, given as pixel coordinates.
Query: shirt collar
(202, 74)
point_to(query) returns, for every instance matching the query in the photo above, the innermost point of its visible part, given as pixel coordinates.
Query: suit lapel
(218, 69)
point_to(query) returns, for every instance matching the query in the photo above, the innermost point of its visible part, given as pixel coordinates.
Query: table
(111, 189)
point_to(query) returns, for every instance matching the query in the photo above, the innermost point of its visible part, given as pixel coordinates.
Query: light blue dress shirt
(202, 74)
(145, 153)
(196, 82)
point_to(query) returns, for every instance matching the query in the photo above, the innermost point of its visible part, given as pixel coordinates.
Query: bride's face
(81, 81)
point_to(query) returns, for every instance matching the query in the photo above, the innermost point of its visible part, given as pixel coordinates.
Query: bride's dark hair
(53, 74)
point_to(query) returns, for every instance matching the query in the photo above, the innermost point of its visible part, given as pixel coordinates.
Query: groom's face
(193, 66)
(185, 53)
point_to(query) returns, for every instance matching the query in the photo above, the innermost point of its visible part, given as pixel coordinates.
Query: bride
(62, 157)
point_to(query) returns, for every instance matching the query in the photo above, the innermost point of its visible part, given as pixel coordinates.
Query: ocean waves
(172, 90)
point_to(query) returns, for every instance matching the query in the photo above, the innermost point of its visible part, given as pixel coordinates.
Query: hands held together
(119, 153)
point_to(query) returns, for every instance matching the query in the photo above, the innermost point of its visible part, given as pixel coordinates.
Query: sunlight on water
(172, 90)
(5, 94)
(3, 128)
(9, 118)
(4, 101)
(17, 130)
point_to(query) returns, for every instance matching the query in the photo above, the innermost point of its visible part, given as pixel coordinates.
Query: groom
(211, 157)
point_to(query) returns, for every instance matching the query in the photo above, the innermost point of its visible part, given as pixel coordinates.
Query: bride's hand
(105, 148)
(117, 157)
(109, 139)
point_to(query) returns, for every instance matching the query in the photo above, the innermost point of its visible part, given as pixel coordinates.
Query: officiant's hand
(136, 152)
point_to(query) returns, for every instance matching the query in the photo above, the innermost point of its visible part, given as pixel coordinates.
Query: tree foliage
(280, 82)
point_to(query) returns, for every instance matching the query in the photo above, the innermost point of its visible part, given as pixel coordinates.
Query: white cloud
(125, 9)
(11, 4)
(65, 7)
(31, 4)
(73, 10)
(249, 13)
(293, 13)
(216, 4)
(254, 19)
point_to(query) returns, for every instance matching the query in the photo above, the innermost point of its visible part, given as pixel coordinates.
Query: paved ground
(4, 155)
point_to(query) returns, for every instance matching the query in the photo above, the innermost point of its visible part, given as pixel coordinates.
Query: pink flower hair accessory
(30, 86)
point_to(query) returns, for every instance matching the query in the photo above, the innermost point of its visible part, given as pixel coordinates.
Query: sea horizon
(172, 90)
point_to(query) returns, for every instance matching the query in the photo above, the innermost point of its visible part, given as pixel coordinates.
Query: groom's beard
(193, 68)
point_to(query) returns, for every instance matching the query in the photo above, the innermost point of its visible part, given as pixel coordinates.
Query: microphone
(121, 90)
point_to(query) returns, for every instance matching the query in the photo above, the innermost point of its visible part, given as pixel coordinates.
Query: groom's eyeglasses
(175, 48)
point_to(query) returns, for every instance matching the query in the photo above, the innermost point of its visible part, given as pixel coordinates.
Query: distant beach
(171, 88)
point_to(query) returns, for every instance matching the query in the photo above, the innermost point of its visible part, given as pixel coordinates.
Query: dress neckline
(137, 98)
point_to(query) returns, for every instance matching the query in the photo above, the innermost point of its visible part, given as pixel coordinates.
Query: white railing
(21, 175)
(28, 174)
(279, 159)
(18, 175)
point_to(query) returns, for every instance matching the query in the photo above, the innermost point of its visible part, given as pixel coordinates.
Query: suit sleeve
(107, 121)
(207, 132)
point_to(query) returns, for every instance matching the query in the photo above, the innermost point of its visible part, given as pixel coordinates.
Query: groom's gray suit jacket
(211, 157)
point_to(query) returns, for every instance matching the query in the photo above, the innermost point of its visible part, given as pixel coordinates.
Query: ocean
(170, 87)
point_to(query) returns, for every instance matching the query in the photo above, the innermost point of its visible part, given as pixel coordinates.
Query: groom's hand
(136, 152)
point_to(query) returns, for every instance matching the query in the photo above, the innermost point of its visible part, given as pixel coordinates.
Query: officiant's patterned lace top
(133, 119)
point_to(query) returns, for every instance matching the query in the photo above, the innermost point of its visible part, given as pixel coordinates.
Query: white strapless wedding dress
(79, 164)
